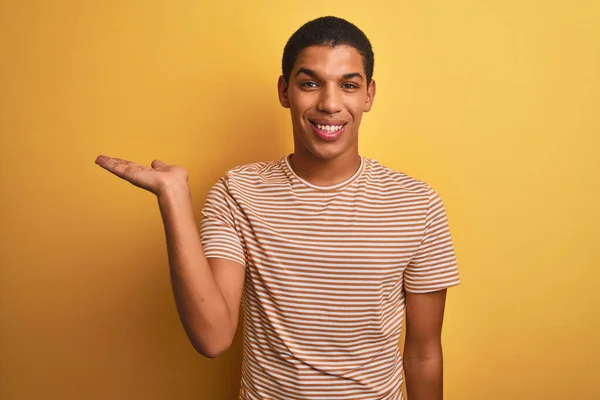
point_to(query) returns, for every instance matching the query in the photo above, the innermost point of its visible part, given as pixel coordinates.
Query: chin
(327, 151)
(310, 145)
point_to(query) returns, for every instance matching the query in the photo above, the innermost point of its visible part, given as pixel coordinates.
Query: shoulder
(407, 190)
(255, 175)
(255, 169)
(387, 179)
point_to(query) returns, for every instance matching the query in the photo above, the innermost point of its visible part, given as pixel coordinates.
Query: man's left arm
(428, 275)
(423, 360)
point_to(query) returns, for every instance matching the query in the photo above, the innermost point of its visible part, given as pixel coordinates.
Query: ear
(282, 89)
(370, 96)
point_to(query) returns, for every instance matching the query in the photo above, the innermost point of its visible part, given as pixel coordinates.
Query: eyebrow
(313, 74)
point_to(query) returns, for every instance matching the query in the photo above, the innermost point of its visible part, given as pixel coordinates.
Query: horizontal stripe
(327, 271)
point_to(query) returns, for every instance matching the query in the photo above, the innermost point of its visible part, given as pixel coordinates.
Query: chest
(331, 237)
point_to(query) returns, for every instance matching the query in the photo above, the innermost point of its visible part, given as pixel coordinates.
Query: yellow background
(495, 103)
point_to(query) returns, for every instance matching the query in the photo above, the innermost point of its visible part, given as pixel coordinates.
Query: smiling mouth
(328, 132)
(328, 128)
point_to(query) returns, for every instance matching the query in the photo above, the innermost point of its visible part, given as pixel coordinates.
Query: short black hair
(327, 31)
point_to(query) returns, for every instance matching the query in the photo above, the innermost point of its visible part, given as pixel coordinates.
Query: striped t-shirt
(326, 273)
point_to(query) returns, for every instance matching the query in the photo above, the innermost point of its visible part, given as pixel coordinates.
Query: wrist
(174, 192)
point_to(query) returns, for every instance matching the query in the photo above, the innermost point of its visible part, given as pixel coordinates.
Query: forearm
(200, 303)
(423, 370)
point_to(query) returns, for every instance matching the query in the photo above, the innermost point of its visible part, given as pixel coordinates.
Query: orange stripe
(327, 270)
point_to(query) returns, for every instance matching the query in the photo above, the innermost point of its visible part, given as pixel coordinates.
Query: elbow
(423, 351)
(212, 349)
(210, 352)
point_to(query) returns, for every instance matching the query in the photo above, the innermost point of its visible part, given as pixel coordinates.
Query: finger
(112, 162)
(158, 164)
(127, 163)
(129, 172)
(119, 167)
(101, 159)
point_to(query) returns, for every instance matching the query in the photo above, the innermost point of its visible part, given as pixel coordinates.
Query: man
(325, 249)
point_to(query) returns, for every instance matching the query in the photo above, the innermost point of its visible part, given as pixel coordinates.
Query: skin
(423, 359)
(327, 85)
(331, 85)
(207, 292)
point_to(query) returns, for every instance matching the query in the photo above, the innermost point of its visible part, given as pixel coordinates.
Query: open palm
(154, 178)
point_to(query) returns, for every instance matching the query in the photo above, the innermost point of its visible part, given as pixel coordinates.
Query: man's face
(327, 94)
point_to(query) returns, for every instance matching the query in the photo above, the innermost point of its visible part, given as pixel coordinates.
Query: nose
(330, 101)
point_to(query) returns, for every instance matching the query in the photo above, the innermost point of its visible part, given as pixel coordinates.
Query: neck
(325, 172)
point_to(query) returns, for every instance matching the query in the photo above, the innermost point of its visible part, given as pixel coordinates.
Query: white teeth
(330, 128)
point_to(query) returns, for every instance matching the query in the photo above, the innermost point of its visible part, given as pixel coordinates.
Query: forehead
(331, 61)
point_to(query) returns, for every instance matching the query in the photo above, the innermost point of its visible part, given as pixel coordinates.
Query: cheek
(356, 111)
(298, 107)
(356, 105)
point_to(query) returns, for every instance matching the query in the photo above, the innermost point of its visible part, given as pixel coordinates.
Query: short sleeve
(434, 266)
(219, 225)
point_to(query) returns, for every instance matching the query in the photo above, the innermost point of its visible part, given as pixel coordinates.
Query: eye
(349, 85)
(309, 85)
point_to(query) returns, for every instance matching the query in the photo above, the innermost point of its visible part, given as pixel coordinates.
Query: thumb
(158, 164)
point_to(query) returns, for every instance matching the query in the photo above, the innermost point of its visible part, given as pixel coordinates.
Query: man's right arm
(207, 292)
